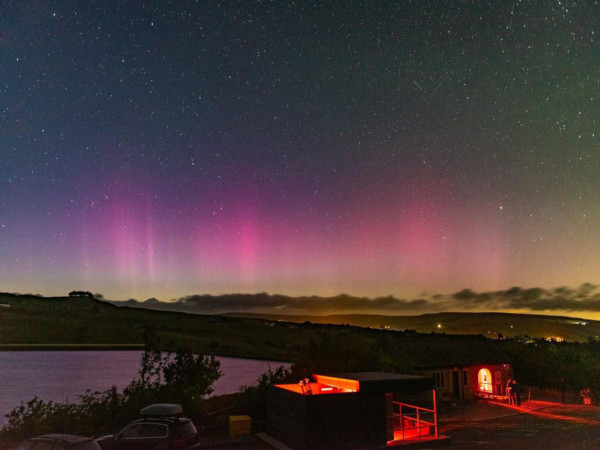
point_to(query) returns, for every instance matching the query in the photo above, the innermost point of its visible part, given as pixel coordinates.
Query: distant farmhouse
(85, 294)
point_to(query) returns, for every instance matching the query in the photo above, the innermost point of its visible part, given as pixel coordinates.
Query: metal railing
(412, 421)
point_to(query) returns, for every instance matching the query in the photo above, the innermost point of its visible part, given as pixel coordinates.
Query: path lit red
(568, 411)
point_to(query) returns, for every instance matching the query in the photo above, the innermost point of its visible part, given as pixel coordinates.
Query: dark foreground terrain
(534, 425)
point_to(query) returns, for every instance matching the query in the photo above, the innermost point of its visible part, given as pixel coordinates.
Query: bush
(253, 400)
(184, 378)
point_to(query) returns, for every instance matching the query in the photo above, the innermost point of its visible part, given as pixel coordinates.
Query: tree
(151, 338)
(183, 378)
(253, 400)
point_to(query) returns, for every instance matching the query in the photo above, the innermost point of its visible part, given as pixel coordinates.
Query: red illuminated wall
(325, 385)
(342, 383)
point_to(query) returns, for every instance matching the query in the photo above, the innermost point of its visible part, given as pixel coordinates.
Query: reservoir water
(61, 376)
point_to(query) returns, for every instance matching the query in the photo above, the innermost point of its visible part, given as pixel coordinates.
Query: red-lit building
(462, 367)
(467, 381)
(355, 410)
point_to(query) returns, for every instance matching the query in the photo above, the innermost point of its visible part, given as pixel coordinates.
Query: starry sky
(172, 148)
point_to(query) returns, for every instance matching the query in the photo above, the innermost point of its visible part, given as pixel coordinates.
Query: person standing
(516, 393)
(586, 395)
(509, 391)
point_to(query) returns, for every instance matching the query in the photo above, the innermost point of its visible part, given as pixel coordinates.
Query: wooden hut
(469, 380)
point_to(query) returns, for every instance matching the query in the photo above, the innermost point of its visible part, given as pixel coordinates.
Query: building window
(465, 378)
(439, 379)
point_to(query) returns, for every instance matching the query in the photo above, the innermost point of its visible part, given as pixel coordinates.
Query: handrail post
(402, 421)
(435, 417)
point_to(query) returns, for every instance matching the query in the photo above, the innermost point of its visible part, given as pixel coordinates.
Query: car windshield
(151, 430)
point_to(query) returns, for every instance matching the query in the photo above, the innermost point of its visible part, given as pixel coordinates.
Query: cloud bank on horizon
(584, 299)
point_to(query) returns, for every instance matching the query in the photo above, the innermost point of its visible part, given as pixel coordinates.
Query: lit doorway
(485, 381)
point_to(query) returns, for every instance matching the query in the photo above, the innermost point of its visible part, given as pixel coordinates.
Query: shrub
(184, 378)
(253, 400)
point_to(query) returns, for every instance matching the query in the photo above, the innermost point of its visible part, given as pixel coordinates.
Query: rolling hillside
(28, 322)
(56, 322)
(487, 324)
(32, 320)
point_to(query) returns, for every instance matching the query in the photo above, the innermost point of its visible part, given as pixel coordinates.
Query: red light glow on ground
(536, 408)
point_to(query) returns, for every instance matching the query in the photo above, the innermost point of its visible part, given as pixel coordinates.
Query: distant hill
(390, 313)
(491, 325)
(33, 322)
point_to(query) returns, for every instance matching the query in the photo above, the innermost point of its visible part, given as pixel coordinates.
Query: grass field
(81, 323)
(490, 325)
(31, 322)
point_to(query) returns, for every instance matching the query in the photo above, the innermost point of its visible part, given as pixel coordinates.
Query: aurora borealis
(171, 148)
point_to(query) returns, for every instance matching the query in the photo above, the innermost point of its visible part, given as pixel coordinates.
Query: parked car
(58, 442)
(162, 427)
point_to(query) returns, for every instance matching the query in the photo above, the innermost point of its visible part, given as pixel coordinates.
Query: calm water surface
(61, 376)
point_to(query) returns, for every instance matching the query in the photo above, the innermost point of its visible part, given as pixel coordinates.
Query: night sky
(171, 148)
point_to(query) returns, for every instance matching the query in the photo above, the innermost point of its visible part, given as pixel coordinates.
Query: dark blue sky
(167, 148)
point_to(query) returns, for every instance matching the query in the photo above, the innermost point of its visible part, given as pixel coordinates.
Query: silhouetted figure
(509, 390)
(586, 395)
(305, 386)
(515, 393)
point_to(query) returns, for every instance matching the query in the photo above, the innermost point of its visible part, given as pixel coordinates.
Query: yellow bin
(239, 425)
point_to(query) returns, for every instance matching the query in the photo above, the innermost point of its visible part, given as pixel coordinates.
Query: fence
(411, 422)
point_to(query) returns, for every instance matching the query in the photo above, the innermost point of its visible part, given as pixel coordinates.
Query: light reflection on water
(61, 376)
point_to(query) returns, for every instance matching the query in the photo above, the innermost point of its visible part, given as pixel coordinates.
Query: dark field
(82, 323)
(535, 425)
(487, 324)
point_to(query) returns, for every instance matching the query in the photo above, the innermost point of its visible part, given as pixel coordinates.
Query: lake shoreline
(114, 347)
(63, 376)
(74, 347)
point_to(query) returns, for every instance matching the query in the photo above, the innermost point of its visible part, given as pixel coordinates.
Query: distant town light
(439, 325)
